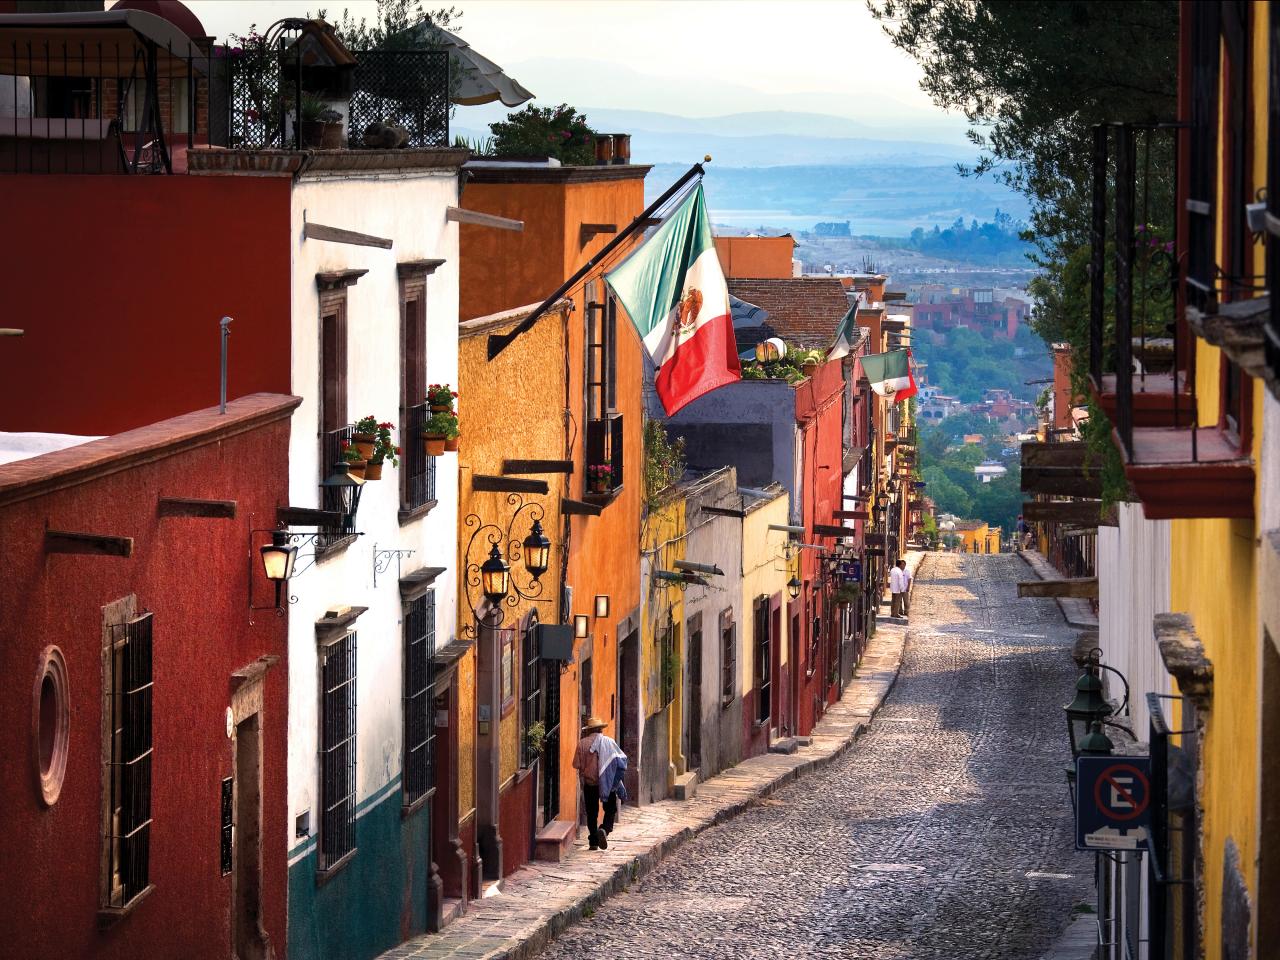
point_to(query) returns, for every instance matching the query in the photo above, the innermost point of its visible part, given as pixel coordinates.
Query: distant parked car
(1009, 452)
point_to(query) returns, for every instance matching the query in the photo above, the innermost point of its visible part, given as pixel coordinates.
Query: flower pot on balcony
(364, 443)
(451, 444)
(599, 486)
(435, 444)
(374, 470)
(809, 368)
(441, 408)
(357, 468)
(319, 135)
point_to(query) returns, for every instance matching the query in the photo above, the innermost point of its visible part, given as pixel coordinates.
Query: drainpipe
(224, 326)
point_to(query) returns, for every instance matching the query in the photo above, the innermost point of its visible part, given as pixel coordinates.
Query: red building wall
(819, 411)
(122, 280)
(193, 575)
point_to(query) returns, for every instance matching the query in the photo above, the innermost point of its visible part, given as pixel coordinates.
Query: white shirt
(897, 580)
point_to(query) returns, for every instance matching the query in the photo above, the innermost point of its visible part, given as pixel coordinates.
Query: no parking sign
(1113, 803)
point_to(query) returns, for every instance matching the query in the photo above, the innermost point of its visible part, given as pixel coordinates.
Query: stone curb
(529, 942)
(1029, 557)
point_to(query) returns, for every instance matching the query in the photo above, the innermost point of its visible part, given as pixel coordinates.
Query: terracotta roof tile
(804, 311)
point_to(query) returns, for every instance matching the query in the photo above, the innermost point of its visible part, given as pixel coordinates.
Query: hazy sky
(694, 58)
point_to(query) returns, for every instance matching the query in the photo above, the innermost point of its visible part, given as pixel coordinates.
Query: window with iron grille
(419, 678)
(603, 433)
(1202, 176)
(337, 751)
(335, 431)
(129, 825)
(531, 692)
(764, 671)
(728, 658)
(668, 663)
(417, 470)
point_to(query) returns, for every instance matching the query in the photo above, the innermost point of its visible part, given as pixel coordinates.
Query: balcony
(1139, 352)
(1142, 370)
(126, 92)
(334, 538)
(604, 450)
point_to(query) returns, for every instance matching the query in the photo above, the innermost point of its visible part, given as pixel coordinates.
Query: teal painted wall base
(374, 902)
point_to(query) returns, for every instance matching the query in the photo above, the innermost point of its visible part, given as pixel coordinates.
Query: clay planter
(356, 468)
(435, 444)
(451, 444)
(318, 135)
(599, 486)
(364, 443)
(374, 470)
(441, 408)
(809, 369)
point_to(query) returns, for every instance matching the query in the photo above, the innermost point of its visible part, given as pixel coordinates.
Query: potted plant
(452, 437)
(599, 477)
(846, 594)
(365, 435)
(319, 125)
(436, 432)
(441, 398)
(383, 450)
(349, 455)
(809, 361)
(535, 735)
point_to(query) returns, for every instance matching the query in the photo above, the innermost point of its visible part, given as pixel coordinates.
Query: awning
(479, 79)
(99, 44)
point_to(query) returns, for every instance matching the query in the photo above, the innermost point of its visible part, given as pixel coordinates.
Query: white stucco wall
(1133, 586)
(410, 210)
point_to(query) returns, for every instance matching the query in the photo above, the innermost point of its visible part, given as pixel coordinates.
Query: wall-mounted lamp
(278, 558)
(793, 587)
(495, 577)
(798, 530)
(347, 489)
(580, 624)
(602, 606)
(692, 566)
(537, 551)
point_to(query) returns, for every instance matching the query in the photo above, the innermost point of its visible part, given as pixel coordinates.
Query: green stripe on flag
(650, 281)
(880, 367)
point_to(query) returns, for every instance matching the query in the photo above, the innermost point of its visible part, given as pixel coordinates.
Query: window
(419, 678)
(604, 437)
(417, 470)
(129, 779)
(764, 671)
(667, 662)
(728, 658)
(531, 693)
(337, 751)
(334, 429)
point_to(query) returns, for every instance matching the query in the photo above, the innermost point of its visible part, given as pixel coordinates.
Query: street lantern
(278, 558)
(537, 551)
(1095, 743)
(1088, 708)
(495, 577)
(793, 587)
(347, 489)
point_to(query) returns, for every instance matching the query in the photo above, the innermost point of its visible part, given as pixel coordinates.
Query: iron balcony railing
(417, 470)
(1134, 263)
(331, 444)
(605, 448)
(408, 89)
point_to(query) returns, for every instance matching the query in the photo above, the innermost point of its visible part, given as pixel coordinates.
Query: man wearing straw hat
(600, 762)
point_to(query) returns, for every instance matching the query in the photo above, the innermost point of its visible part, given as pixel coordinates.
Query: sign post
(1113, 803)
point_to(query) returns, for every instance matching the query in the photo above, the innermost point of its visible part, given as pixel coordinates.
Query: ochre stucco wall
(756, 256)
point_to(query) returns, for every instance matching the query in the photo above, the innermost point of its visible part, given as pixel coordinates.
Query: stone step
(686, 787)
(554, 841)
(785, 745)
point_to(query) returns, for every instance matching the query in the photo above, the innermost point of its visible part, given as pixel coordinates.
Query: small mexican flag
(846, 334)
(674, 291)
(890, 374)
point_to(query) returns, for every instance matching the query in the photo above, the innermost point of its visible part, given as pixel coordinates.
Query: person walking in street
(906, 588)
(897, 589)
(600, 763)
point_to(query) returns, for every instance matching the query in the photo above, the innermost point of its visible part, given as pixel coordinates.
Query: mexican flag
(846, 334)
(674, 291)
(890, 374)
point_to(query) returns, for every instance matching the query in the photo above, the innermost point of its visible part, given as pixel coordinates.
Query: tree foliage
(397, 25)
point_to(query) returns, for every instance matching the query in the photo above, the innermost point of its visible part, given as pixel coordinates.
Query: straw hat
(593, 724)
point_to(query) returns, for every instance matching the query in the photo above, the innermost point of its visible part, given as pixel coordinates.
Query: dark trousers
(591, 800)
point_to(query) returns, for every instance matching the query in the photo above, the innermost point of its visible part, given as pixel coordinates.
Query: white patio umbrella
(478, 79)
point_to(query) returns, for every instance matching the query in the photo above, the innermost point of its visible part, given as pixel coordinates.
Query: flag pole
(499, 342)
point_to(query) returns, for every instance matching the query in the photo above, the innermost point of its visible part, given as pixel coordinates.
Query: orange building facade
(568, 215)
(756, 257)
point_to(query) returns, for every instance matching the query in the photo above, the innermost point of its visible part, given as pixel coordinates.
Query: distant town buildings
(938, 307)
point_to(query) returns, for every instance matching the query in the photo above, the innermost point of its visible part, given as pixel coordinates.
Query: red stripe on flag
(707, 360)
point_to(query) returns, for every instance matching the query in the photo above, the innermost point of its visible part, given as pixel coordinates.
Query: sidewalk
(540, 900)
(914, 558)
(1078, 611)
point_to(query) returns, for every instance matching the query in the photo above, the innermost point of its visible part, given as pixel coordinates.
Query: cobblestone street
(944, 832)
